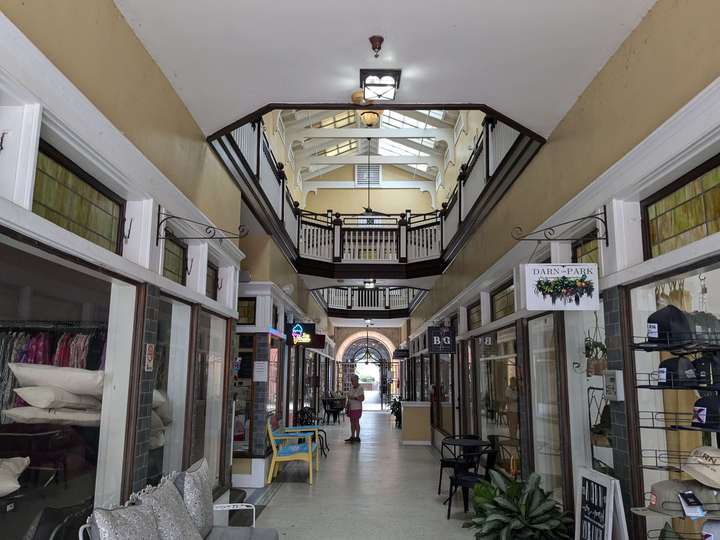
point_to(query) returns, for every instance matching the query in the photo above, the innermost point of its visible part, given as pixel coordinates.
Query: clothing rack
(53, 325)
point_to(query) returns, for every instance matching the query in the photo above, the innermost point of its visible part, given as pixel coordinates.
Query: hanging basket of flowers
(565, 288)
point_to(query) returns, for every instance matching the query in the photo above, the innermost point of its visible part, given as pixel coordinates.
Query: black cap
(707, 368)
(676, 371)
(669, 326)
(706, 413)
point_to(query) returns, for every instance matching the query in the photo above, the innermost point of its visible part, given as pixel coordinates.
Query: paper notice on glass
(260, 372)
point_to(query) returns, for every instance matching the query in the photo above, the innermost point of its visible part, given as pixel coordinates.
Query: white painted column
(140, 229)
(625, 247)
(197, 255)
(20, 130)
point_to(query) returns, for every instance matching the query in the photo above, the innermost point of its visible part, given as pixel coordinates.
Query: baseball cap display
(707, 368)
(703, 464)
(706, 413)
(676, 371)
(665, 500)
(669, 326)
(711, 530)
(705, 325)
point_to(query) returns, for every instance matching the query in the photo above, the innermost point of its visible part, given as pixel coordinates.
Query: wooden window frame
(675, 185)
(581, 241)
(64, 161)
(214, 268)
(469, 309)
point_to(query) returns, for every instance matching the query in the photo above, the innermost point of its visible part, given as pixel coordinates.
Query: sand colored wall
(354, 200)
(671, 56)
(463, 148)
(92, 44)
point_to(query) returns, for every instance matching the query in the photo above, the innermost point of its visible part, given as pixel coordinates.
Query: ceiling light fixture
(379, 84)
(370, 118)
(376, 44)
(369, 283)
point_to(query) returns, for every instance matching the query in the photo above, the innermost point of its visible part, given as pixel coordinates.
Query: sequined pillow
(173, 520)
(136, 522)
(194, 486)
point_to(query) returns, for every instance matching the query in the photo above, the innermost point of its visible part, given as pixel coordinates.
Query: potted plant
(509, 509)
(396, 411)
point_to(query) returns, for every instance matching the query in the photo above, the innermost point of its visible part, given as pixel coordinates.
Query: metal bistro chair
(307, 420)
(486, 458)
(450, 457)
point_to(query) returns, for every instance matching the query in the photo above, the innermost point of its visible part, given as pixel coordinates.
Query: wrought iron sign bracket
(549, 234)
(209, 232)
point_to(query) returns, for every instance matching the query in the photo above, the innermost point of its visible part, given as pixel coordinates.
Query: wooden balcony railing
(360, 299)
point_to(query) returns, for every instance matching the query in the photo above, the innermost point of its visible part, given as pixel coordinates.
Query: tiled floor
(375, 490)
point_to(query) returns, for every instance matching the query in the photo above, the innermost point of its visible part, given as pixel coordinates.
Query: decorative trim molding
(312, 186)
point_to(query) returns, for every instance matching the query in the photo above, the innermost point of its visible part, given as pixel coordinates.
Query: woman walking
(356, 396)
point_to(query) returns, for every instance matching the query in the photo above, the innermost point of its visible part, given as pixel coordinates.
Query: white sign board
(599, 512)
(562, 287)
(260, 372)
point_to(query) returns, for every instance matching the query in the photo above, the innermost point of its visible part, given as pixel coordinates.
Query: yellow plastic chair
(283, 450)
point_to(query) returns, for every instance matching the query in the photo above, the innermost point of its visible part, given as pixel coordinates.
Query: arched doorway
(369, 359)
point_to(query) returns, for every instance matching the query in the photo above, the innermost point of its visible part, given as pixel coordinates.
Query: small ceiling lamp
(376, 44)
(357, 97)
(379, 84)
(369, 283)
(370, 118)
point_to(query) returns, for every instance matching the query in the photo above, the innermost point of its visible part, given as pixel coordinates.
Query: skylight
(392, 147)
(339, 120)
(395, 119)
(338, 149)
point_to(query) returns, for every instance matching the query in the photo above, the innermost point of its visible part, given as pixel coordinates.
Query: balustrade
(364, 299)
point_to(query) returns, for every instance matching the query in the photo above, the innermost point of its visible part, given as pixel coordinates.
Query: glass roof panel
(394, 147)
(338, 149)
(339, 120)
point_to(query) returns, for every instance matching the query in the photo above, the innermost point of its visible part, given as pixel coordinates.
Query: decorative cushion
(84, 382)
(194, 487)
(62, 417)
(173, 520)
(242, 533)
(136, 522)
(290, 449)
(15, 465)
(52, 397)
(8, 482)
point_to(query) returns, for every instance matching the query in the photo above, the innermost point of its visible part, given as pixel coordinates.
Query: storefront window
(309, 380)
(467, 381)
(418, 387)
(211, 282)
(497, 394)
(444, 394)
(292, 384)
(545, 403)
(208, 393)
(275, 383)
(474, 316)
(676, 334)
(63, 388)
(72, 199)
(170, 389)
(246, 311)
(241, 392)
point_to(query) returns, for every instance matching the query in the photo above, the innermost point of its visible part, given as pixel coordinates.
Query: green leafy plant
(509, 509)
(565, 288)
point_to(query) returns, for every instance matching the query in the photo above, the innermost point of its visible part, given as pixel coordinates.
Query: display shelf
(697, 342)
(670, 421)
(663, 460)
(651, 381)
(657, 533)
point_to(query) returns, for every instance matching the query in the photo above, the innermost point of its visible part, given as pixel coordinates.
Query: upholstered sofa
(180, 507)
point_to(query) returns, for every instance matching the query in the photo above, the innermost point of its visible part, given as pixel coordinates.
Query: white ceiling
(528, 59)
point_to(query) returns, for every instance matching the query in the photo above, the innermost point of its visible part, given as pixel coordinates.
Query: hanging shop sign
(300, 333)
(599, 512)
(317, 342)
(562, 287)
(399, 354)
(441, 339)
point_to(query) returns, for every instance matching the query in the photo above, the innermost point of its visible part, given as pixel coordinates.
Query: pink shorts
(355, 414)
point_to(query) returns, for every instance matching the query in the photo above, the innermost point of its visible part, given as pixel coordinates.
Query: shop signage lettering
(401, 353)
(441, 340)
(300, 333)
(562, 287)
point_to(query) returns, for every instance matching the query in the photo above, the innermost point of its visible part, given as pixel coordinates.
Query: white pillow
(52, 397)
(15, 465)
(8, 482)
(63, 417)
(159, 399)
(84, 382)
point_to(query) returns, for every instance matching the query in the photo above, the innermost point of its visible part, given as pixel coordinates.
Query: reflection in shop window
(241, 392)
(545, 404)
(497, 394)
(443, 391)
